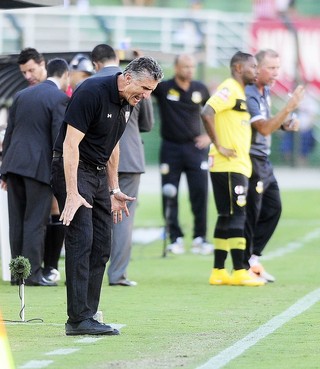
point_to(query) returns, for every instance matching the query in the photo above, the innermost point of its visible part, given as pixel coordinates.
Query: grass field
(175, 319)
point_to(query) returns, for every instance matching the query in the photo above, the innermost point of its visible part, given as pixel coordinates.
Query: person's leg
(238, 185)
(16, 209)
(269, 216)
(171, 169)
(53, 241)
(78, 242)
(101, 242)
(122, 232)
(219, 274)
(254, 203)
(196, 168)
(38, 203)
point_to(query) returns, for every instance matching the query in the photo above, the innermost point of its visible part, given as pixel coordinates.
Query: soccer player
(227, 122)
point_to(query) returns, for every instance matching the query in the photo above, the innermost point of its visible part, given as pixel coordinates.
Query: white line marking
(239, 347)
(62, 351)
(36, 364)
(117, 326)
(292, 246)
(89, 340)
(230, 353)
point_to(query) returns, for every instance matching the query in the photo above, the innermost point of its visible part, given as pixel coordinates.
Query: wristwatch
(114, 191)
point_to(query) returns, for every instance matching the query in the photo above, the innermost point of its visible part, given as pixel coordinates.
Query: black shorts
(230, 192)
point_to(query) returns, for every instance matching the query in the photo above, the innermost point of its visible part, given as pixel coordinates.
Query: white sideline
(230, 353)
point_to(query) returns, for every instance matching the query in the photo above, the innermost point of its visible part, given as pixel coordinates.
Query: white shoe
(98, 316)
(177, 247)
(53, 275)
(259, 270)
(201, 246)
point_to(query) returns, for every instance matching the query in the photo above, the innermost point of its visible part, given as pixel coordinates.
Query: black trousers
(263, 207)
(176, 158)
(29, 203)
(87, 239)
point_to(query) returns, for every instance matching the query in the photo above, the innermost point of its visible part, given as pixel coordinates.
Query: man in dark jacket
(34, 121)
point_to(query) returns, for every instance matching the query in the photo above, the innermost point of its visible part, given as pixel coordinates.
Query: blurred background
(213, 30)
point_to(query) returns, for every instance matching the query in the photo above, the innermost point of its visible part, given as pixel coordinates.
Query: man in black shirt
(84, 172)
(184, 148)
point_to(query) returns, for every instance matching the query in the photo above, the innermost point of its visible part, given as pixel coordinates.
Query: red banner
(298, 43)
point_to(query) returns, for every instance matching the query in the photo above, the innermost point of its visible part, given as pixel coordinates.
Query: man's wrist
(114, 191)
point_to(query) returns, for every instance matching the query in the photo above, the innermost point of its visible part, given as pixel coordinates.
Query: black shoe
(41, 282)
(124, 282)
(91, 327)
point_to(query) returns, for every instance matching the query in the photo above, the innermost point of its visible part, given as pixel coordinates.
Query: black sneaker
(91, 327)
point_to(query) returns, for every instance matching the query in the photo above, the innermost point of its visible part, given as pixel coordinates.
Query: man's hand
(73, 202)
(3, 185)
(119, 204)
(295, 98)
(291, 124)
(228, 153)
(202, 141)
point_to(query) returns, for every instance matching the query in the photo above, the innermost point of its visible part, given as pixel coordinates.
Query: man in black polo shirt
(184, 148)
(84, 172)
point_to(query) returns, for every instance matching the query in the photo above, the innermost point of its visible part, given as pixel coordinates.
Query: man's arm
(208, 118)
(267, 126)
(118, 199)
(70, 162)
(112, 168)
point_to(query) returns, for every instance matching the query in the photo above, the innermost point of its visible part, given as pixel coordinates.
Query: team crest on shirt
(224, 94)
(239, 190)
(241, 200)
(164, 168)
(173, 95)
(196, 97)
(259, 187)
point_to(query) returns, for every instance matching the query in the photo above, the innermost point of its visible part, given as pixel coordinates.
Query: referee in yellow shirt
(227, 122)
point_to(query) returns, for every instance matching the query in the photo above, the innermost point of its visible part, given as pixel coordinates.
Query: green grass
(174, 318)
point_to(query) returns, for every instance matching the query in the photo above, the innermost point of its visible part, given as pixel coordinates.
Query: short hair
(103, 53)
(81, 63)
(30, 53)
(180, 57)
(56, 67)
(260, 55)
(239, 57)
(145, 66)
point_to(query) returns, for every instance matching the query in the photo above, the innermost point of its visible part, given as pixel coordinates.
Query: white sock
(254, 260)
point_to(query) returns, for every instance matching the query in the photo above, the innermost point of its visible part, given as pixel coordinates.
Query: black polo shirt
(96, 110)
(180, 110)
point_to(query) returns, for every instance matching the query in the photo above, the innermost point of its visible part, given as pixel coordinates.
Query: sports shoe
(242, 277)
(257, 268)
(91, 327)
(259, 271)
(219, 277)
(177, 247)
(201, 246)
